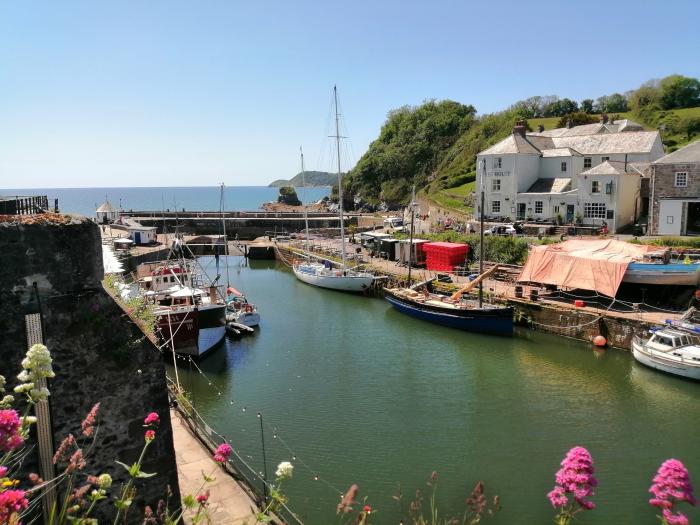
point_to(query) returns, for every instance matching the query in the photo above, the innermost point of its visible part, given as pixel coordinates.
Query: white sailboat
(325, 275)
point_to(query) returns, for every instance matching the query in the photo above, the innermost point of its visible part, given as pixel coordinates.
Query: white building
(590, 172)
(106, 213)
(143, 234)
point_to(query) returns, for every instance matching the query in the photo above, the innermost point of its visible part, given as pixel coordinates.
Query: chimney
(540, 128)
(625, 162)
(604, 118)
(520, 128)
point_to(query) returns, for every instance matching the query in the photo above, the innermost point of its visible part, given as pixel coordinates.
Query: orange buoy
(600, 341)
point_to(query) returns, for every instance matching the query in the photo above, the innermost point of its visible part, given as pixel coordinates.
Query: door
(137, 237)
(569, 213)
(670, 214)
(521, 211)
(692, 223)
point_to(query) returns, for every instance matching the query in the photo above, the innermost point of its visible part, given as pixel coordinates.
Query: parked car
(502, 229)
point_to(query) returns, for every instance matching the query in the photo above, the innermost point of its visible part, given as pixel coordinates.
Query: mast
(481, 245)
(340, 182)
(223, 222)
(410, 245)
(306, 213)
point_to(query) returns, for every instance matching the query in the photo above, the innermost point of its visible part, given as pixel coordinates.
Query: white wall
(551, 168)
(670, 210)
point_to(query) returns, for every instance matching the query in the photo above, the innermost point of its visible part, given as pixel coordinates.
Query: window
(497, 162)
(603, 159)
(496, 185)
(681, 179)
(594, 210)
(496, 207)
(595, 186)
(556, 209)
(563, 167)
(539, 206)
(609, 188)
(610, 214)
(587, 162)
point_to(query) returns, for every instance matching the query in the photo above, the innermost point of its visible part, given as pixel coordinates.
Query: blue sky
(179, 93)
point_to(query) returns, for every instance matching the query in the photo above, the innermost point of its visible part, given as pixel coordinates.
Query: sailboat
(325, 275)
(457, 310)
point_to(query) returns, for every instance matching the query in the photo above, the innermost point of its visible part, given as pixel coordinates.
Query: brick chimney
(520, 128)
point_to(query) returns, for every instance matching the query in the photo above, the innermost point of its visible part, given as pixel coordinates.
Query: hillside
(312, 178)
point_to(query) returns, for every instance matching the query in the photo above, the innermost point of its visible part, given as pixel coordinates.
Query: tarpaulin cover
(589, 265)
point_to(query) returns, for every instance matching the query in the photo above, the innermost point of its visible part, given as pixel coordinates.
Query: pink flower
(152, 419)
(62, 452)
(203, 498)
(222, 453)
(575, 477)
(11, 502)
(670, 485)
(88, 424)
(367, 509)
(10, 425)
(3, 471)
(150, 435)
(76, 462)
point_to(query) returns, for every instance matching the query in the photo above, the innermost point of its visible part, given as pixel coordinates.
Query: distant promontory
(312, 178)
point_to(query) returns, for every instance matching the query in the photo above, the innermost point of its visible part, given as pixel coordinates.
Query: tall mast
(410, 243)
(482, 248)
(340, 182)
(223, 222)
(306, 213)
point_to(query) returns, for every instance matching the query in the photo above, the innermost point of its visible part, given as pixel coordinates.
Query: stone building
(675, 193)
(105, 213)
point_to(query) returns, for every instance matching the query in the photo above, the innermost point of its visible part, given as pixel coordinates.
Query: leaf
(141, 474)
(126, 467)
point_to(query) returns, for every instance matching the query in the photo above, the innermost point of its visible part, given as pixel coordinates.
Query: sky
(181, 93)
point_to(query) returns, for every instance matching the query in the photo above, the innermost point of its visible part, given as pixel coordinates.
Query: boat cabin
(666, 340)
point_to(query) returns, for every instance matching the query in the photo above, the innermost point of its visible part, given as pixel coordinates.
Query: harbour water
(359, 393)
(205, 198)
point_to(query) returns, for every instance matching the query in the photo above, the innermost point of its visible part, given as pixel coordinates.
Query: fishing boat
(659, 269)
(458, 310)
(673, 350)
(325, 274)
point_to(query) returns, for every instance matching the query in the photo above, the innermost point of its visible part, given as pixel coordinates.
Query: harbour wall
(99, 353)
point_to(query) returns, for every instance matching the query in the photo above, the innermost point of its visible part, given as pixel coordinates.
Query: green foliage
(678, 91)
(411, 144)
(288, 195)
(615, 103)
(673, 242)
(587, 105)
(576, 119)
(560, 108)
(311, 178)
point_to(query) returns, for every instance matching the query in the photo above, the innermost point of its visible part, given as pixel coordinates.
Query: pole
(410, 244)
(481, 244)
(340, 182)
(306, 212)
(262, 439)
(223, 221)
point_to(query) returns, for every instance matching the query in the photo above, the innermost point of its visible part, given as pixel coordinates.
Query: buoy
(578, 303)
(599, 341)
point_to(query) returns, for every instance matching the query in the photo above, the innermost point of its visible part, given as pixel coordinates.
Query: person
(695, 300)
(604, 228)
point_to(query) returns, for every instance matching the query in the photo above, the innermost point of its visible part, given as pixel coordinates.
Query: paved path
(228, 502)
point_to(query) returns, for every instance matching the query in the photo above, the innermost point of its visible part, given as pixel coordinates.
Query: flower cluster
(671, 485)
(575, 477)
(150, 435)
(152, 419)
(7, 400)
(36, 365)
(10, 430)
(284, 470)
(11, 503)
(222, 453)
(88, 424)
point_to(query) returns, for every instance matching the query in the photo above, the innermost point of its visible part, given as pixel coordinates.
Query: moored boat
(658, 272)
(670, 350)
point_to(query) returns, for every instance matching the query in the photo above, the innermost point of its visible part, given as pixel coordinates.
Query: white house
(143, 234)
(591, 172)
(106, 213)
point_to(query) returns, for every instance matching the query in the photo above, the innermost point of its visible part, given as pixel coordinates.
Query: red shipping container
(444, 256)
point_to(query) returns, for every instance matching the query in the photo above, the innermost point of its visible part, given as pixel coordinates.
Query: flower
(3, 471)
(203, 498)
(36, 365)
(35, 478)
(671, 485)
(10, 426)
(367, 509)
(574, 477)
(12, 502)
(3, 382)
(6, 401)
(152, 419)
(62, 451)
(284, 470)
(222, 453)
(348, 500)
(76, 461)
(104, 481)
(150, 435)
(88, 424)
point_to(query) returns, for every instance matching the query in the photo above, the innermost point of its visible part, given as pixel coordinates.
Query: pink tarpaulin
(589, 265)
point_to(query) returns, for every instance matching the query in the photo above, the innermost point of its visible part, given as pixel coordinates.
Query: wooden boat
(456, 311)
(658, 272)
(671, 350)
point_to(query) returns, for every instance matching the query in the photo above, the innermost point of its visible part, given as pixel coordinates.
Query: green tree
(678, 91)
(576, 119)
(288, 195)
(648, 95)
(561, 107)
(615, 103)
(689, 126)
(587, 105)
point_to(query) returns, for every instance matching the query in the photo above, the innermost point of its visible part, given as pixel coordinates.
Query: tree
(576, 119)
(561, 107)
(678, 91)
(689, 126)
(615, 103)
(648, 95)
(288, 195)
(587, 105)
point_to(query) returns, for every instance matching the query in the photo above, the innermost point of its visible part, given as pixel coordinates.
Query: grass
(453, 198)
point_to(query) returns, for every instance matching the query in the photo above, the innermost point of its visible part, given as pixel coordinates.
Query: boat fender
(600, 341)
(248, 308)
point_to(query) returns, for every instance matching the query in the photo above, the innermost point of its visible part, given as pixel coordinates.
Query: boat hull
(250, 319)
(194, 331)
(663, 274)
(343, 283)
(659, 361)
(494, 321)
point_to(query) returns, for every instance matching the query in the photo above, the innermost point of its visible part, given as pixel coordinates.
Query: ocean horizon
(84, 201)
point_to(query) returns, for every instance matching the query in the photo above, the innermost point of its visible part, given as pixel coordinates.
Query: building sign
(498, 173)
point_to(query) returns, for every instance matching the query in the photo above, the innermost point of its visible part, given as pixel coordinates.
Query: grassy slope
(453, 198)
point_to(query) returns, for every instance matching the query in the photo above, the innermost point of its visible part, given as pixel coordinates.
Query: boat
(673, 350)
(656, 269)
(325, 274)
(458, 310)
(190, 318)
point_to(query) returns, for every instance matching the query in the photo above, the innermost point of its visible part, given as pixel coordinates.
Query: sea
(85, 201)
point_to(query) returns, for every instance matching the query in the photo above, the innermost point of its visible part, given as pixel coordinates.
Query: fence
(255, 485)
(24, 205)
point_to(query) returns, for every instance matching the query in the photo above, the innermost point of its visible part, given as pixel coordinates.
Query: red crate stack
(444, 256)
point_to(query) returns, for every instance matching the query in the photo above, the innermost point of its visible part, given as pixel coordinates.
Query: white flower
(284, 470)
(2, 383)
(37, 365)
(28, 420)
(104, 481)
(24, 387)
(6, 401)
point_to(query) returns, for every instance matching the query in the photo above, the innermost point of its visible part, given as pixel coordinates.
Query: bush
(288, 195)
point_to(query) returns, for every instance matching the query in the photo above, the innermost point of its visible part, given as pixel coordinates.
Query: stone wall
(100, 354)
(663, 187)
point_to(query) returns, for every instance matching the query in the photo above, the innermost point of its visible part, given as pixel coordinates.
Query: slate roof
(558, 185)
(616, 167)
(686, 154)
(560, 152)
(106, 207)
(513, 143)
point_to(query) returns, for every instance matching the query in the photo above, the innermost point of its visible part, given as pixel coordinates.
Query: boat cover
(597, 264)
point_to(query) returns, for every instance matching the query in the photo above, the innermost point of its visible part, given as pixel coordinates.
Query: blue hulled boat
(657, 272)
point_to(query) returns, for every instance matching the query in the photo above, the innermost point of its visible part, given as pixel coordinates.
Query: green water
(363, 394)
